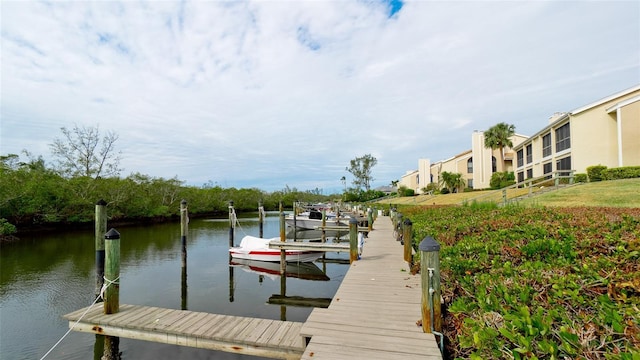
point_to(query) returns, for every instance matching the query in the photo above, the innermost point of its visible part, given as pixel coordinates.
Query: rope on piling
(106, 284)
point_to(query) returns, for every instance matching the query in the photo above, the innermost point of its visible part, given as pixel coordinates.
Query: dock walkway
(375, 311)
(373, 315)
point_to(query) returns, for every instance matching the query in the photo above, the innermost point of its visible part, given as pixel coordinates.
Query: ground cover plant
(537, 283)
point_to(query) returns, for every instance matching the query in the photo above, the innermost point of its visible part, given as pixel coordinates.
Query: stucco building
(605, 132)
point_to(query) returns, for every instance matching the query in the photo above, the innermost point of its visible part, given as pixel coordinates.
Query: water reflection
(46, 276)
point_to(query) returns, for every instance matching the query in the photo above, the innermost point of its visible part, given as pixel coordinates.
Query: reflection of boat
(307, 271)
(254, 248)
(312, 219)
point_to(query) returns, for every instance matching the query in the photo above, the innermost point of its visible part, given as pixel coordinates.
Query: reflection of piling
(112, 272)
(232, 222)
(184, 230)
(101, 229)
(231, 285)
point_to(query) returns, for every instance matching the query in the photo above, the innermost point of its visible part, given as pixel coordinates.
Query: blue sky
(271, 94)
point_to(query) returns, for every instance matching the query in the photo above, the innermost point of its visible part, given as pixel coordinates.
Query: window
(529, 173)
(547, 169)
(563, 138)
(494, 166)
(529, 154)
(564, 164)
(520, 156)
(470, 166)
(520, 176)
(546, 145)
(470, 183)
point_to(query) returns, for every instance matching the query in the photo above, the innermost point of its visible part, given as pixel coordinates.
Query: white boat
(312, 219)
(255, 248)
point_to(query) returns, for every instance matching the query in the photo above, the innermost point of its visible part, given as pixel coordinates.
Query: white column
(619, 125)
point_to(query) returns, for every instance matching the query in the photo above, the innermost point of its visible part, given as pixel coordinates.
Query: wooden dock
(244, 335)
(375, 311)
(373, 315)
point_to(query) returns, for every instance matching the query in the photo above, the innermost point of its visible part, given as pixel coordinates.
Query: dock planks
(252, 336)
(375, 311)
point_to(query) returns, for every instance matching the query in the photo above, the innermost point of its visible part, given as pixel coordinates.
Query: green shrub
(6, 228)
(409, 192)
(595, 172)
(580, 178)
(625, 172)
(501, 180)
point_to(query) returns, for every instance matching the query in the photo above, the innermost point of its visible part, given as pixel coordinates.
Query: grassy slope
(615, 193)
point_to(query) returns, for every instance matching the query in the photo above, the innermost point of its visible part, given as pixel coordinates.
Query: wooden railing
(527, 187)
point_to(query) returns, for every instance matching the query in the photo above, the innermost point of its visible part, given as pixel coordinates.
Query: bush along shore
(535, 282)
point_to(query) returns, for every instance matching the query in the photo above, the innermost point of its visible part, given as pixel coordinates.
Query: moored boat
(312, 219)
(255, 248)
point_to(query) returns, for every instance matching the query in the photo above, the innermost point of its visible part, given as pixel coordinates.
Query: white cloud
(268, 94)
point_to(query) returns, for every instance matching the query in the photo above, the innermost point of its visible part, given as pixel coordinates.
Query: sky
(284, 94)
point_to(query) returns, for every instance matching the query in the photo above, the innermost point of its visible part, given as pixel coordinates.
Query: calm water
(43, 278)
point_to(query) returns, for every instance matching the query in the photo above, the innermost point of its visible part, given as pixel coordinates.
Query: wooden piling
(353, 240)
(407, 236)
(261, 219)
(100, 230)
(112, 272)
(232, 223)
(184, 230)
(283, 237)
(430, 277)
(370, 218)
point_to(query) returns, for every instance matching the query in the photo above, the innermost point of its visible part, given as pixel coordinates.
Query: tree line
(86, 169)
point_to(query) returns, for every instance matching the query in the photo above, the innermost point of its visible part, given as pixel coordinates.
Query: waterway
(44, 277)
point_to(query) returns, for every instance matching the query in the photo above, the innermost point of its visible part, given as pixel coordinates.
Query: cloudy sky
(271, 94)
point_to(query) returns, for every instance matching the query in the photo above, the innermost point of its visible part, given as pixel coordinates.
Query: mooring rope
(101, 296)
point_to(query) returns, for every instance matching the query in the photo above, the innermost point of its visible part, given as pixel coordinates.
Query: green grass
(613, 193)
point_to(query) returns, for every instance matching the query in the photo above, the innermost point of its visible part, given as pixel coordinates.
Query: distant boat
(312, 219)
(303, 270)
(255, 248)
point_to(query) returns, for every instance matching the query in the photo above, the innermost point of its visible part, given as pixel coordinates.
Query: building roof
(604, 100)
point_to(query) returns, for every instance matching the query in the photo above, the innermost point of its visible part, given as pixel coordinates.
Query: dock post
(398, 227)
(283, 254)
(261, 218)
(353, 240)
(323, 237)
(430, 276)
(232, 222)
(370, 218)
(184, 230)
(283, 234)
(112, 272)
(100, 230)
(407, 237)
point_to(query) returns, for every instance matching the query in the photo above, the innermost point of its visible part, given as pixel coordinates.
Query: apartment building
(606, 132)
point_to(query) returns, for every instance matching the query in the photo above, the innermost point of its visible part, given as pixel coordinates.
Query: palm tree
(499, 137)
(451, 181)
(344, 183)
